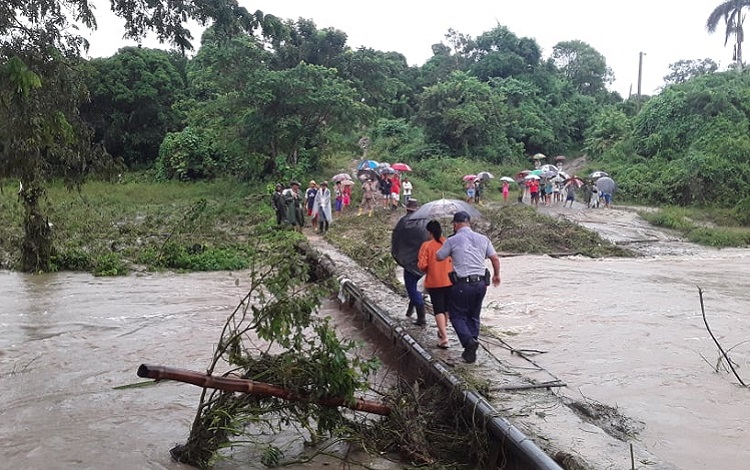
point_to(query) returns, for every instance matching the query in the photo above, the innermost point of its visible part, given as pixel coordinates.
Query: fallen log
(232, 384)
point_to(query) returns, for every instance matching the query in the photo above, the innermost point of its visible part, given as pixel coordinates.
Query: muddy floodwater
(624, 332)
(66, 340)
(629, 333)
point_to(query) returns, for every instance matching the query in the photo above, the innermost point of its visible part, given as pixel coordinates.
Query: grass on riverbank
(710, 227)
(112, 228)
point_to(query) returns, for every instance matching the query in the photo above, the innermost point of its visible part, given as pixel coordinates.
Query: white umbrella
(444, 208)
(599, 174)
(508, 179)
(533, 177)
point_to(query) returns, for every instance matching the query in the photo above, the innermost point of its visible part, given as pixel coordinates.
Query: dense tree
(585, 67)
(466, 116)
(500, 53)
(302, 41)
(694, 139)
(383, 80)
(683, 70)
(733, 14)
(131, 104)
(41, 133)
(290, 113)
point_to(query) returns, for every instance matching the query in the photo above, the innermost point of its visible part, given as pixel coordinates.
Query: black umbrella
(367, 174)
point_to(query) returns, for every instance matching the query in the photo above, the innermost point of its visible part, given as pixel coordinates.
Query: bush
(109, 264)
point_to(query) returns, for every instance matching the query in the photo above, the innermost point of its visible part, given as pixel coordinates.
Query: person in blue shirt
(468, 250)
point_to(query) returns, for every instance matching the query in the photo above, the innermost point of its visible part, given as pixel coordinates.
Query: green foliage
(131, 102)
(267, 339)
(188, 156)
(683, 70)
(73, 259)
(586, 68)
(698, 231)
(610, 126)
(109, 264)
(467, 117)
(198, 258)
(397, 140)
(694, 143)
(742, 211)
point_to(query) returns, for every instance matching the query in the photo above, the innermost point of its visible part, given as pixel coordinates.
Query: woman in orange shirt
(436, 280)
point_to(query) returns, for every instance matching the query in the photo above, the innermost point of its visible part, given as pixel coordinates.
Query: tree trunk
(36, 248)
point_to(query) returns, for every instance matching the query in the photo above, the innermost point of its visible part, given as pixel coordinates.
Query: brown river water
(67, 339)
(625, 332)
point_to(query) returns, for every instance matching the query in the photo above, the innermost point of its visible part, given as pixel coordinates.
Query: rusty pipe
(234, 384)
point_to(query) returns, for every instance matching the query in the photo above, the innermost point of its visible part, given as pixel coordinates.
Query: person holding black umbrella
(406, 240)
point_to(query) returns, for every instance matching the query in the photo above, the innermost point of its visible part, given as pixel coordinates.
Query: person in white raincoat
(322, 207)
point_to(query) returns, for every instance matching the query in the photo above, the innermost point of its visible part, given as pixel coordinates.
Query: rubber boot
(420, 315)
(410, 310)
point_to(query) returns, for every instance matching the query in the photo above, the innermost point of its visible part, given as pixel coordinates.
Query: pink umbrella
(469, 177)
(401, 167)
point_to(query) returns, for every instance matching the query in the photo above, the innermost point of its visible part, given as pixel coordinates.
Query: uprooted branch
(721, 350)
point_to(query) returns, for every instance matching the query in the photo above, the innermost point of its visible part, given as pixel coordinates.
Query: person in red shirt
(395, 191)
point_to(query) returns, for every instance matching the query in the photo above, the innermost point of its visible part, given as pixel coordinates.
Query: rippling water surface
(66, 340)
(624, 332)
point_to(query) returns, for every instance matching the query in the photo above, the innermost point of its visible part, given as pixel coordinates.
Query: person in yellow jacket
(436, 280)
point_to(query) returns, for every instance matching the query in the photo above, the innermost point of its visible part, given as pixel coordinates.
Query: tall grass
(108, 228)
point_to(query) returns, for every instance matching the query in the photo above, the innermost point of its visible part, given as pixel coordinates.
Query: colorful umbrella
(367, 164)
(341, 177)
(578, 182)
(485, 175)
(401, 167)
(469, 177)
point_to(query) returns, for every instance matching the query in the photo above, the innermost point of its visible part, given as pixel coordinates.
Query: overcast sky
(665, 30)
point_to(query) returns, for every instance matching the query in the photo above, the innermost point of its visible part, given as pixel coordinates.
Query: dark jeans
(465, 306)
(410, 281)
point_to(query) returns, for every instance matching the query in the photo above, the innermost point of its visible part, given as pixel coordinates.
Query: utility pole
(640, 76)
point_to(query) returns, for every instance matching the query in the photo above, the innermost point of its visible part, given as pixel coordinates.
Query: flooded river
(66, 340)
(625, 332)
(629, 333)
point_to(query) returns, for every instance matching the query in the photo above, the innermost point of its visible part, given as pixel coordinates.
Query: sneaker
(470, 352)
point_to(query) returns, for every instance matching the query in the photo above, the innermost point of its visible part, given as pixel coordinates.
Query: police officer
(468, 250)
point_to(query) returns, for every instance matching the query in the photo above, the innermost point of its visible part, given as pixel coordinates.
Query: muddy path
(623, 226)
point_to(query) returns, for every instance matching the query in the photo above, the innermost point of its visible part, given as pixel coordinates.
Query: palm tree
(731, 12)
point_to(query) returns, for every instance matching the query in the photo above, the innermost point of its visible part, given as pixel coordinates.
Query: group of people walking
(291, 205)
(454, 273)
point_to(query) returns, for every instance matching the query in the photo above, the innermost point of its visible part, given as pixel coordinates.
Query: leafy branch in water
(273, 336)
